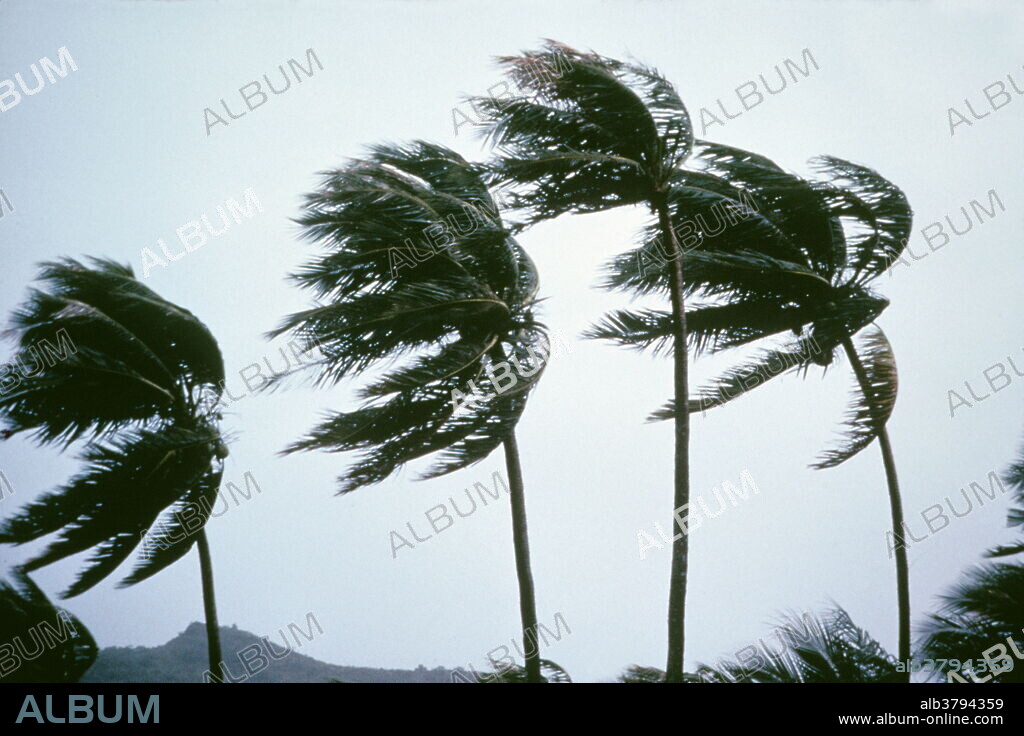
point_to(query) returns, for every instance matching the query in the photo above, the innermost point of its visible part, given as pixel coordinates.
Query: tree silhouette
(773, 255)
(589, 133)
(460, 313)
(139, 378)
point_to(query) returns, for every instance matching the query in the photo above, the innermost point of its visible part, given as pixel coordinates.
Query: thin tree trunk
(521, 544)
(210, 608)
(680, 547)
(896, 510)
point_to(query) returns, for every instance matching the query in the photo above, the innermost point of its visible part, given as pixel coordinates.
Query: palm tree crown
(779, 255)
(454, 313)
(587, 133)
(140, 380)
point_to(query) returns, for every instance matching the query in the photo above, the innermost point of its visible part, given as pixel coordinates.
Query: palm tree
(139, 378)
(784, 255)
(461, 312)
(62, 648)
(829, 648)
(586, 134)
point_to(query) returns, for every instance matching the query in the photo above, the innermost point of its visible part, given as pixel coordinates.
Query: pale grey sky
(116, 156)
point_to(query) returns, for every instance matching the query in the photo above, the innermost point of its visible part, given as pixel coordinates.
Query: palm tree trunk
(521, 544)
(896, 510)
(210, 608)
(680, 545)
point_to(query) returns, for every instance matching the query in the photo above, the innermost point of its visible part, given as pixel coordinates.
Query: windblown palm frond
(137, 376)
(1014, 477)
(637, 674)
(647, 329)
(875, 211)
(828, 648)
(124, 355)
(514, 674)
(867, 413)
(585, 132)
(983, 612)
(49, 644)
(420, 270)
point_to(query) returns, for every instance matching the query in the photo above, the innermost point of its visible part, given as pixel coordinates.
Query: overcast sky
(116, 156)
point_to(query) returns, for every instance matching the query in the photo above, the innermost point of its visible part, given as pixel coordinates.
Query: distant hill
(183, 659)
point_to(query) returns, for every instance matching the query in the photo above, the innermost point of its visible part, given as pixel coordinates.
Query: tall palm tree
(62, 648)
(783, 256)
(460, 312)
(139, 379)
(588, 133)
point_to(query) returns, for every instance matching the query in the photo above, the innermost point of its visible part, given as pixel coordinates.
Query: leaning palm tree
(784, 256)
(588, 133)
(139, 379)
(62, 649)
(828, 648)
(419, 266)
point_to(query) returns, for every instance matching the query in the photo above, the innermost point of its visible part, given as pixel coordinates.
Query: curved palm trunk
(896, 509)
(680, 545)
(210, 608)
(521, 544)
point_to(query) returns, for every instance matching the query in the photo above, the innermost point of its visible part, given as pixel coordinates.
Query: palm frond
(828, 648)
(1013, 477)
(740, 379)
(551, 672)
(123, 356)
(869, 410)
(878, 205)
(172, 535)
(124, 487)
(984, 609)
(585, 133)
